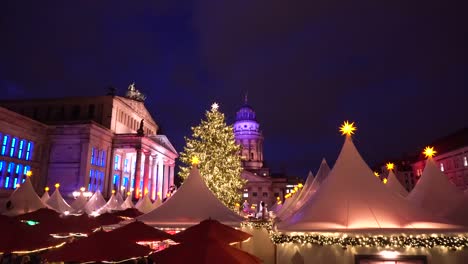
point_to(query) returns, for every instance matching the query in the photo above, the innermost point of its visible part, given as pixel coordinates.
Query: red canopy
(99, 246)
(204, 252)
(129, 212)
(108, 219)
(211, 229)
(138, 231)
(40, 215)
(17, 237)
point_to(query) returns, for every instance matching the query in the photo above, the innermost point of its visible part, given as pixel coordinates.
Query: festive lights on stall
(376, 174)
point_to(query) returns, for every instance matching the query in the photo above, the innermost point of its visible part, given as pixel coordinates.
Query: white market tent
(45, 197)
(353, 199)
(157, 203)
(434, 192)
(190, 205)
(144, 205)
(127, 203)
(458, 214)
(57, 202)
(111, 205)
(119, 198)
(79, 203)
(24, 199)
(394, 184)
(321, 175)
(290, 206)
(95, 203)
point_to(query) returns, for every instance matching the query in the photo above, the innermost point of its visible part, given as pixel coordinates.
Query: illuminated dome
(245, 113)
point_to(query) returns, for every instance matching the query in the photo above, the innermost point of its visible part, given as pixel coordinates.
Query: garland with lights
(258, 225)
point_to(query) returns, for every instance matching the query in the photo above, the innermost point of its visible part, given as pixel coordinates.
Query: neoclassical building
(102, 143)
(260, 185)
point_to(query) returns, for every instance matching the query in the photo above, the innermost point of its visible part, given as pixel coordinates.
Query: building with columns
(102, 143)
(260, 185)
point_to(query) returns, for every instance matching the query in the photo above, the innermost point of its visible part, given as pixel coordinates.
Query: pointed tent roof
(289, 206)
(352, 198)
(95, 202)
(24, 199)
(45, 197)
(434, 192)
(127, 203)
(144, 205)
(191, 204)
(395, 185)
(79, 203)
(119, 198)
(157, 203)
(308, 190)
(57, 202)
(111, 205)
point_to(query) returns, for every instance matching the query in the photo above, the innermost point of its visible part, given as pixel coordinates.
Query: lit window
(29, 150)
(13, 146)
(92, 155)
(20, 150)
(2, 169)
(117, 162)
(26, 169)
(115, 179)
(465, 162)
(246, 195)
(103, 158)
(125, 182)
(125, 165)
(6, 138)
(441, 167)
(91, 180)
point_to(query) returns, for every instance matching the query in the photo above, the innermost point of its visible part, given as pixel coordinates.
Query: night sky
(399, 69)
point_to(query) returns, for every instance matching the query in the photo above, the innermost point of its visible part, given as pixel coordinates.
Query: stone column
(166, 179)
(171, 174)
(136, 190)
(85, 165)
(160, 179)
(153, 171)
(108, 184)
(146, 173)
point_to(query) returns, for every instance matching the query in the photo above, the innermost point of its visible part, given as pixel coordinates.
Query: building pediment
(164, 141)
(139, 108)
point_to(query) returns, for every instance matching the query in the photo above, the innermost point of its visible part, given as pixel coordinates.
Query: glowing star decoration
(128, 193)
(29, 173)
(347, 128)
(376, 174)
(429, 152)
(82, 189)
(385, 181)
(46, 189)
(195, 160)
(390, 166)
(113, 191)
(214, 107)
(57, 185)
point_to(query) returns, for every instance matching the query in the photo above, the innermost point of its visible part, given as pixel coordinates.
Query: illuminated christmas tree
(213, 143)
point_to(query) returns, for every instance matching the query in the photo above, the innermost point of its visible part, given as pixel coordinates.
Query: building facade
(260, 187)
(101, 143)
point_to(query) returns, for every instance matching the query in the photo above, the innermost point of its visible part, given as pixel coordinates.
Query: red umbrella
(19, 237)
(138, 231)
(100, 246)
(129, 212)
(211, 229)
(68, 224)
(204, 252)
(108, 219)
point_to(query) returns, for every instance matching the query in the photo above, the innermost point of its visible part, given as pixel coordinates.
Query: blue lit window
(13, 146)
(91, 180)
(2, 169)
(21, 148)
(15, 181)
(115, 179)
(26, 169)
(6, 138)
(10, 167)
(7, 182)
(117, 162)
(92, 156)
(103, 158)
(125, 165)
(29, 150)
(125, 182)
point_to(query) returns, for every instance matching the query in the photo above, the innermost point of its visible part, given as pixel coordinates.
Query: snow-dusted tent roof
(57, 202)
(394, 184)
(190, 205)
(24, 199)
(127, 203)
(79, 203)
(95, 202)
(45, 197)
(352, 198)
(144, 205)
(111, 205)
(290, 207)
(434, 192)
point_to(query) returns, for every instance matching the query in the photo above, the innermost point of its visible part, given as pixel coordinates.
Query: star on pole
(347, 128)
(429, 152)
(390, 166)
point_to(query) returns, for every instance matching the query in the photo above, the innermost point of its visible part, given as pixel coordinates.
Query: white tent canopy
(95, 202)
(144, 205)
(459, 212)
(394, 184)
(434, 192)
(24, 199)
(352, 198)
(157, 203)
(290, 207)
(45, 197)
(111, 205)
(79, 203)
(57, 202)
(119, 198)
(190, 205)
(127, 203)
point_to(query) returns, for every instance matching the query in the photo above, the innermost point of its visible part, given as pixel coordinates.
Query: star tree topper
(347, 128)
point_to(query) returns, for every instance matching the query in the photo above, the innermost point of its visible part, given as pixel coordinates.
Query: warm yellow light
(277, 197)
(295, 188)
(46, 189)
(214, 106)
(57, 185)
(29, 173)
(390, 166)
(429, 152)
(82, 189)
(237, 204)
(293, 191)
(195, 160)
(17, 185)
(347, 128)
(385, 180)
(300, 185)
(128, 193)
(376, 174)
(113, 191)
(146, 191)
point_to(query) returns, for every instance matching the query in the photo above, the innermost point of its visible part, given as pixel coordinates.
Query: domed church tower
(248, 135)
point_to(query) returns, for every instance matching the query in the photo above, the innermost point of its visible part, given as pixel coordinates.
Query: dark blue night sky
(399, 69)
